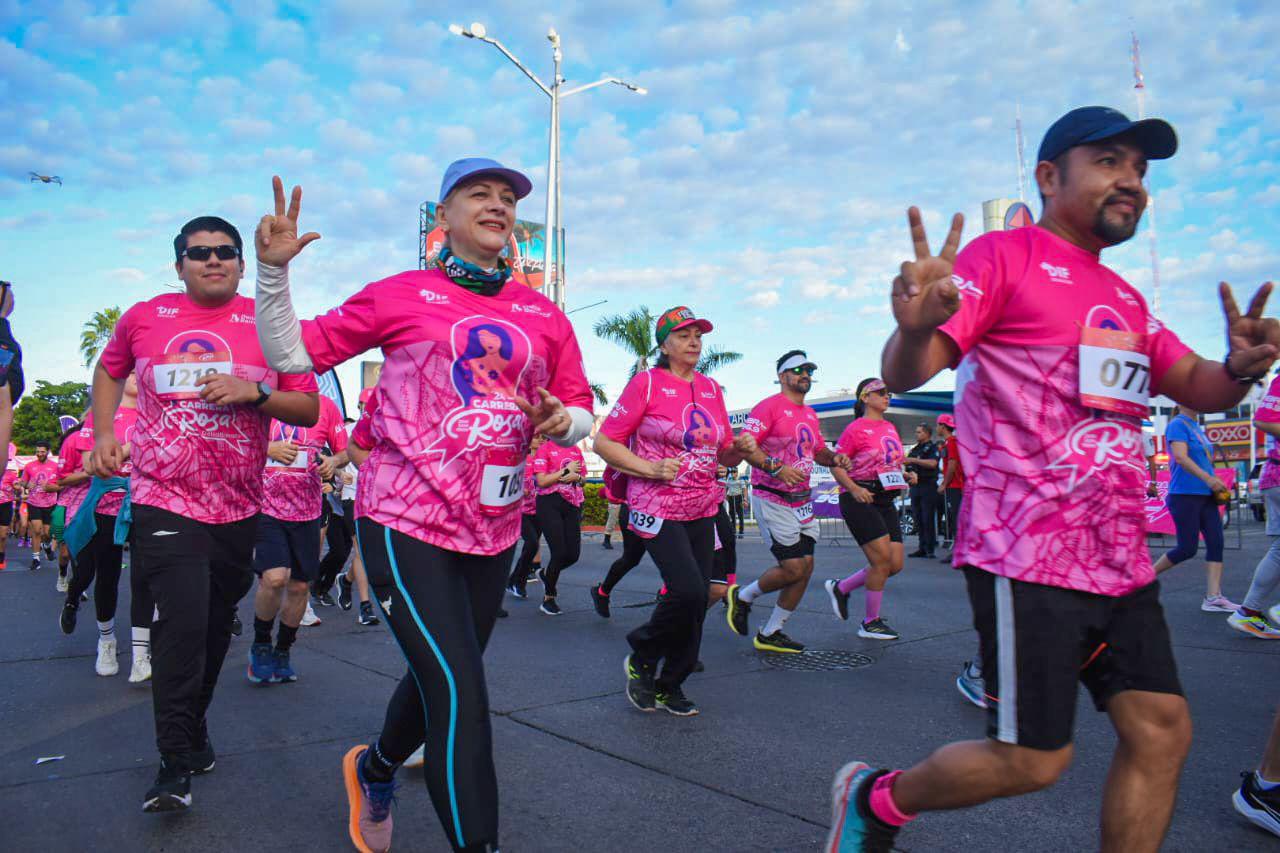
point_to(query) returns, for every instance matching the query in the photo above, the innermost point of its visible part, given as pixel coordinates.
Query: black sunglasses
(803, 370)
(202, 253)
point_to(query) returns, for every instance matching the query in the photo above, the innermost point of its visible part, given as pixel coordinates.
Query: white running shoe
(106, 663)
(416, 759)
(141, 670)
(1218, 604)
(310, 618)
(1254, 625)
(62, 583)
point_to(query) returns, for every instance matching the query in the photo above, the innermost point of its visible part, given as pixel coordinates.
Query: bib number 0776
(1112, 370)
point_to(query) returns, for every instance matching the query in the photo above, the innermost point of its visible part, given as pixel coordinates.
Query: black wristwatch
(1236, 377)
(264, 393)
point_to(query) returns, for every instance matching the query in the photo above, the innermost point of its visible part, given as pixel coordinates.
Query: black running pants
(196, 574)
(632, 552)
(441, 607)
(340, 534)
(561, 524)
(684, 552)
(530, 533)
(736, 510)
(101, 561)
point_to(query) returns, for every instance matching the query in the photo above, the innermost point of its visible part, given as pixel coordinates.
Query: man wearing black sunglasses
(789, 443)
(205, 399)
(11, 379)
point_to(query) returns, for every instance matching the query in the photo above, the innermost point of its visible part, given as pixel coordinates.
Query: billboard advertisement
(525, 250)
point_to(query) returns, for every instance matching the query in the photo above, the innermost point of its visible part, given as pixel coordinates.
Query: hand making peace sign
(924, 296)
(1254, 340)
(276, 240)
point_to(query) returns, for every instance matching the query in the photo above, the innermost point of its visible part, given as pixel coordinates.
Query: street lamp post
(553, 245)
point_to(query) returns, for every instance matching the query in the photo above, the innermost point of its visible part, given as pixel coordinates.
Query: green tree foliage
(96, 332)
(633, 332)
(36, 417)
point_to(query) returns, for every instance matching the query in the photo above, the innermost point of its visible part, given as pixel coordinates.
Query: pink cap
(365, 394)
(947, 421)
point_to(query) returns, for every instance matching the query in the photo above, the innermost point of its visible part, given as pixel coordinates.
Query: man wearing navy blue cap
(1056, 358)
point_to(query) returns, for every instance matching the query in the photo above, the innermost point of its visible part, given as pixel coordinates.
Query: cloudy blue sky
(762, 181)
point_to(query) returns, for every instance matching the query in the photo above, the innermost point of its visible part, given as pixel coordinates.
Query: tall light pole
(553, 243)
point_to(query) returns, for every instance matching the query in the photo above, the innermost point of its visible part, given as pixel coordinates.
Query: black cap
(1094, 124)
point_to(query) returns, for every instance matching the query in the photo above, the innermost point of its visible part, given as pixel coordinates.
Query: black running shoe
(172, 788)
(344, 593)
(517, 592)
(601, 601)
(1259, 806)
(608, 544)
(777, 642)
(738, 612)
(839, 600)
(640, 691)
(324, 599)
(877, 629)
(919, 552)
(201, 761)
(674, 701)
(699, 667)
(550, 607)
(67, 620)
(237, 627)
(535, 574)
(502, 613)
(35, 562)
(367, 616)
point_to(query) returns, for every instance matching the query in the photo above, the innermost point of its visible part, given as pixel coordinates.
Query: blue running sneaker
(971, 684)
(283, 670)
(262, 668)
(854, 829)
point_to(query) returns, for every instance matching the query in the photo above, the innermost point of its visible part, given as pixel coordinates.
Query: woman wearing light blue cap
(476, 364)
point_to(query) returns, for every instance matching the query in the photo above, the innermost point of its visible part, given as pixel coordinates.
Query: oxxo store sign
(1233, 437)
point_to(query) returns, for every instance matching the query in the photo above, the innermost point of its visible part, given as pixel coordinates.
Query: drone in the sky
(45, 179)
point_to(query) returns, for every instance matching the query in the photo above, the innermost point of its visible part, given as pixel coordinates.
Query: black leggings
(736, 510)
(101, 560)
(683, 552)
(530, 533)
(726, 559)
(441, 607)
(340, 534)
(632, 553)
(561, 524)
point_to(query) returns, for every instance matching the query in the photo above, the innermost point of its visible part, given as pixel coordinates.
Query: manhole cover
(817, 660)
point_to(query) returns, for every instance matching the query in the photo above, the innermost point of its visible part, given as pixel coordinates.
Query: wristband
(1239, 378)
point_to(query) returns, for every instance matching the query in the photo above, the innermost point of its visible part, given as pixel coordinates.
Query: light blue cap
(460, 170)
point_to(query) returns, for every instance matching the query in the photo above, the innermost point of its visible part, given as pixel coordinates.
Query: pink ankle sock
(873, 603)
(881, 801)
(852, 582)
(731, 578)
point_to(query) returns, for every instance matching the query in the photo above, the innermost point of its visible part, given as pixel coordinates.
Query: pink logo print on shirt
(489, 359)
(1094, 445)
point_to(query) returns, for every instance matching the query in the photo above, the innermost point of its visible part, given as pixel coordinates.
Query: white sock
(141, 642)
(750, 592)
(777, 619)
(107, 630)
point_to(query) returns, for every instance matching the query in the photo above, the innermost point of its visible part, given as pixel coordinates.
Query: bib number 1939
(645, 523)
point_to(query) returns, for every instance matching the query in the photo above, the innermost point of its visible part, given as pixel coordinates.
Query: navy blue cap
(469, 167)
(1094, 124)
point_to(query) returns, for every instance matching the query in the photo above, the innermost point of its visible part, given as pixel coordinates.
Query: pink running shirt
(71, 460)
(789, 432)
(875, 449)
(35, 475)
(529, 503)
(7, 482)
(552, 457)
(294, 492)
(190, 457)
(660, 416)
(1054, 490)
(448, 439)
(1268, 412)
(125, 422)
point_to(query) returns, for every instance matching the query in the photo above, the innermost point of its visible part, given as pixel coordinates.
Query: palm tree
(598, 390)
(96, 332)
(634, 333)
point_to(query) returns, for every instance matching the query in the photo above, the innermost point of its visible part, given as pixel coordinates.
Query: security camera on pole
(553, 245)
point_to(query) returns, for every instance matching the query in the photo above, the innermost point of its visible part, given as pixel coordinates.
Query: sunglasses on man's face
(803, 371)
(202, 253)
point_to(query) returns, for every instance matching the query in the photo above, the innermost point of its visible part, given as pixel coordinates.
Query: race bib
(1115, 372)
(893, 480)
(804, 513)
(501, 487)
(299, 461)
(175, 375)
(644, 523)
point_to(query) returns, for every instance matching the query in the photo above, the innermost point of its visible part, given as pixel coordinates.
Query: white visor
(794, 362)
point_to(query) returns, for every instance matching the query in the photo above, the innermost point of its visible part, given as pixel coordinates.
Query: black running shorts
(1039, 642)
(292, 545)
(6, 513)
(42, 514)
(868, 522)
